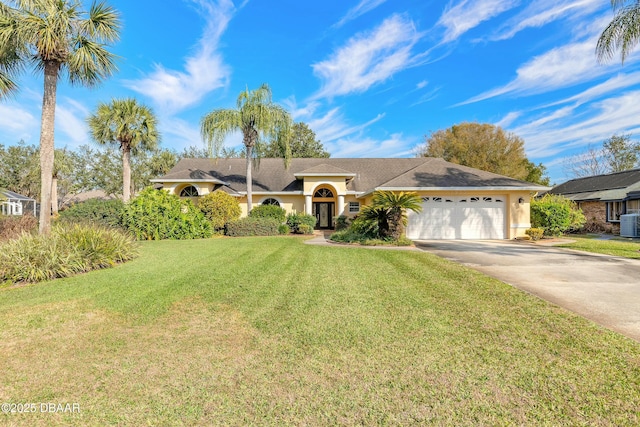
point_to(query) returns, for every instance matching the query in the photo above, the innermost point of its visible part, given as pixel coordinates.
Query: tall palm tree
(392, 208)
(622, 33)
(55, 36)
(257, 117)
(131, 126)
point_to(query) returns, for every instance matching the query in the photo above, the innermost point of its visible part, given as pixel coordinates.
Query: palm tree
(392, 210)
(56, 36)
(622, 33)
(131, 126)
(257, 117)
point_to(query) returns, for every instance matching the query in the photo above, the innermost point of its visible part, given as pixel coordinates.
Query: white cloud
(205, 71)
(71, 124)
(508, 119)
(542, 12)
(368, 58)
(468, 14)
(422, 84)
(16, 120)
(360, 9)
(611, 86)
(332, 126)
(394, 146)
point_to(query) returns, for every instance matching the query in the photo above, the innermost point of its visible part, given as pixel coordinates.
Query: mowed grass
(626, 248)
(269, 331)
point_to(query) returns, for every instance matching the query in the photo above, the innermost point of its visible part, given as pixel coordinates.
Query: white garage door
(477, 217)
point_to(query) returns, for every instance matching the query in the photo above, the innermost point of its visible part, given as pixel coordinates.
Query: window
(272, 202)
(323, 193)
(633, 206)
(354, 207)
(614, 210)
(189, 191)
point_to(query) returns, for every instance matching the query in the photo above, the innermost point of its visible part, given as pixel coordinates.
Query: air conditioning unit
(630, 225)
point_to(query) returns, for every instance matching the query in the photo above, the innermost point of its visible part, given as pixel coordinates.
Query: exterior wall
(596, 216)
(311, 182)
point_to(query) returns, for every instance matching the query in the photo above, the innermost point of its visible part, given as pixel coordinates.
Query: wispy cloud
(205, 71)
(368, 58)
(467, 14)
(360, 9)
(541, 12)
(396, 145)
(332, 126)
(71, 124)
(15, 120)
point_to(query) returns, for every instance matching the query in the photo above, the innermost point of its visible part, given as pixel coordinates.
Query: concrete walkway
(602, 288)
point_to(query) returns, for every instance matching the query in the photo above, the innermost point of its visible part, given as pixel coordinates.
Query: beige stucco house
(459, 202)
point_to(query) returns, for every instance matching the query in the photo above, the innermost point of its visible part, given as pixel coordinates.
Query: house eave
(316, 174)
(483, 188)
(212, 181)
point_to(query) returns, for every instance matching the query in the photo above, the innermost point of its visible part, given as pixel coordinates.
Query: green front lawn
(621, 247)
(270, 331)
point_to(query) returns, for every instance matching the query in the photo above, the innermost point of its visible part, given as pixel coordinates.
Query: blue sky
(370, 77)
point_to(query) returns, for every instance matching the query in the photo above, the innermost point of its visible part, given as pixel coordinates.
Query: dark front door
(324, 214)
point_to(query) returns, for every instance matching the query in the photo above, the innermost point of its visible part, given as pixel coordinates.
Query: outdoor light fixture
(521, 200)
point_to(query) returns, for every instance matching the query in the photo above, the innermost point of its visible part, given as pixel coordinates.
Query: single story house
(604, 198)
(12, 203)
(459, 202)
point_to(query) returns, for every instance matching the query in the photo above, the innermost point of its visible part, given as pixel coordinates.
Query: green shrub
(556, 215)
(305, 229)
(220, 208)
(70, 249)
(268, 211)
(295, 220)
(14, 226)
(100, 211)
(534, 233)
(342, 223)
(352, 236)
(284, 229)
(252, 227)
(157, 215)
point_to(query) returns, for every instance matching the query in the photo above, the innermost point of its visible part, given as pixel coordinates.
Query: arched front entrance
(324, 205)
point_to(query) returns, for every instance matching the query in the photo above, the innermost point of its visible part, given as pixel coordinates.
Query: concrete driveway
(602, 288)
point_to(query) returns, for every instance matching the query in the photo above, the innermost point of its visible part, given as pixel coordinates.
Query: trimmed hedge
(249, 226)
(220, 208)
(269, 211)
(158, 215)
(100, 211)
(295, 221)
(556, 215)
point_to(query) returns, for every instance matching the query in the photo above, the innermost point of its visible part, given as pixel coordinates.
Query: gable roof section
(612, 186)
(270, 175)
(11, 195)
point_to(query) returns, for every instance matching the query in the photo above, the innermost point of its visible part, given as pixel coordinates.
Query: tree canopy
(258, 118)
(486, 147)
(617, 154)
(55, 37)
(302, 142)
(129, 125)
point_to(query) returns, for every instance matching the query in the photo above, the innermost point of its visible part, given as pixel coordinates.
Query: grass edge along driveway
(270, 331)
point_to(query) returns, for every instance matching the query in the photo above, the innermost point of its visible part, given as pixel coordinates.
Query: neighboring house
(16, 204)
(459, 202)
(604, 198)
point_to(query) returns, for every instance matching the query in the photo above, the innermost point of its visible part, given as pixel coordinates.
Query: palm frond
(622, 33)
(102, 24)
(90, 63)
(216, 126)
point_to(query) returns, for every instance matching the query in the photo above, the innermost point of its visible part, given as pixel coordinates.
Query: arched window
(189, 191)
(323, 193)
(272, 202)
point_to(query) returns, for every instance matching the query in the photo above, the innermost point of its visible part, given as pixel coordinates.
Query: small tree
(220, 208)
(392, 208)
(556, 215)
(269, 211)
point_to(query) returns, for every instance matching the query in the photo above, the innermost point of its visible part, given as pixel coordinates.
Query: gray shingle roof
(612, 186)
(270, 175)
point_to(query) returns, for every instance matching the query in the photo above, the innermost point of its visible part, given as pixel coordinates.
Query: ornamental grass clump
(69, 250)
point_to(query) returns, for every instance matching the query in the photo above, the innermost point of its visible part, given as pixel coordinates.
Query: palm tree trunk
(54, 195)
(126, 173)
(47, 126)
(249, 153)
